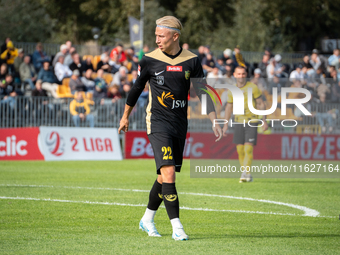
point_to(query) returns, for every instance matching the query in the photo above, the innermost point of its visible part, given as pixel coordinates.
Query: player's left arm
(260, 104)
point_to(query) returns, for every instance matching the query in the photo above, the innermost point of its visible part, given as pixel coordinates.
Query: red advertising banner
(274, 146)
(19, 144)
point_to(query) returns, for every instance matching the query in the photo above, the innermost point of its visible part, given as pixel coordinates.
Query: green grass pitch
(92, 207)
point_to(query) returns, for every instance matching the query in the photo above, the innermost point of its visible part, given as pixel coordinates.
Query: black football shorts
(245, 134)
(168, 150)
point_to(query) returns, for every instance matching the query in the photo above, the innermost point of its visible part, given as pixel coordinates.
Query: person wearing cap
(75, 83)
(27, 72)
(238, 58)
(279, 67)
(62, 52)
(9, 55)
(61, 71)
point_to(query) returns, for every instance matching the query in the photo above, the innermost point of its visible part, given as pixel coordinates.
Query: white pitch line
(307, 211)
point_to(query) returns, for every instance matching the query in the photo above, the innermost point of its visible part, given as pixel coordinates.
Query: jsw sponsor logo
(178, 104)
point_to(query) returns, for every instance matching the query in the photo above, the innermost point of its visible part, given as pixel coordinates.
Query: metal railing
(46, 111)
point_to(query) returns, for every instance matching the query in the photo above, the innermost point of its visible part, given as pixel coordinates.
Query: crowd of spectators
(110, 78)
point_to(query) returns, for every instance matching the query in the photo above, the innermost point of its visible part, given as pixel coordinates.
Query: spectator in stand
(317, 60)
(114, 63)
(100, 89)
(238, 58)
(49, 81)
(68, 56)
(113, 93)
(27, 72)
(143, 51)
(297, 74)
(129, 53)
(4, 45)
(19, 60)
(75, 83)
(88, 81)
(263, 65)
(62, 71)
(68, 44)
(227, 54)
(268, 52)
(185, 46)
(118, 51)
(105, 53)
(88, 64)
(215, 77)
(39, 91)
(104, 64)
(201, 54)
(334, 59)
(8, 92)
(229, 77)
(80, 110)
(122, 73)
(280, 68)
(271, 69)
(39, 56)
(208, 63)
(335, 92)
(77, 64)
(3, 71)
(135, 63)
(258, 80)
(306, 60)
(62, 52)
(325, 114)
(43, 107)
(9, 55)
(275, 83)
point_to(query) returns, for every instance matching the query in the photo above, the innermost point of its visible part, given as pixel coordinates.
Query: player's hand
(265, 126)
(218, 132)
(123, 125)
(225, 128)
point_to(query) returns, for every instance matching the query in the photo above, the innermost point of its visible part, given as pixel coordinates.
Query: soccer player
(168, 70)
(245, 136)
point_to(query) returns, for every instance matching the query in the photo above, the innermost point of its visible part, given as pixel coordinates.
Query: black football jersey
(169, 78)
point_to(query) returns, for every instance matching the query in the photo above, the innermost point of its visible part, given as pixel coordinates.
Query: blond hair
(170, 22)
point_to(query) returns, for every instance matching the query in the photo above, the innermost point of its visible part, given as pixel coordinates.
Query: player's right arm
(136, 90)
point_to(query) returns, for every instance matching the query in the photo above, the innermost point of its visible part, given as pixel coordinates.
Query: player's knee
(240, 149)
(168, 174)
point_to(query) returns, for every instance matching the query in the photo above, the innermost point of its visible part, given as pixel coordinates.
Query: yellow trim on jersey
(148, 113)
(159, 55)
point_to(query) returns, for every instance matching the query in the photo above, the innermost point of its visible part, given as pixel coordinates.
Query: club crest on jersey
(187, 75)
(160, 80)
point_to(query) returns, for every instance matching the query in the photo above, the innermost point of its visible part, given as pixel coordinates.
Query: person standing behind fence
(9, 55)
(27, 72)
(80, 110)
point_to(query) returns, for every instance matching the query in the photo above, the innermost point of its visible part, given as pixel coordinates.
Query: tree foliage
(284, 25)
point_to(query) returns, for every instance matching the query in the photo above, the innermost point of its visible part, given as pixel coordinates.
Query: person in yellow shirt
(80, 110)
(245, 136)
(9, 55)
